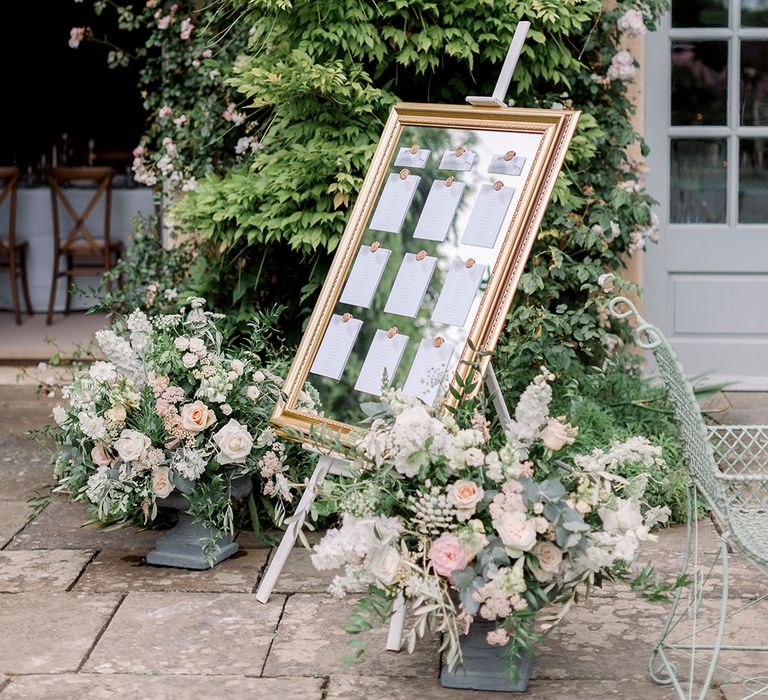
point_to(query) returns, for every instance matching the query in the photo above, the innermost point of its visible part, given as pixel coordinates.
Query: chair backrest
(9, 180)
(697, 450)
(102, 176)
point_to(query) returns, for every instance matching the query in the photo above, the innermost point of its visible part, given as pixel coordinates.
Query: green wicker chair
(728, 468)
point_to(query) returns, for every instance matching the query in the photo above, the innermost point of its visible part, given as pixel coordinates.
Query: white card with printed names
(427, 371)
(365, 276)
(406, 158)
(464, 162)
(410, 285)
(487, 216)
(394, 203)
(439, 210)
(383, 356)
(500, 165)
(334, 350)
(458, 293)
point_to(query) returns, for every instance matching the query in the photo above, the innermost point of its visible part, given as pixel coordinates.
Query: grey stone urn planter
(182, 546)
(485, 667)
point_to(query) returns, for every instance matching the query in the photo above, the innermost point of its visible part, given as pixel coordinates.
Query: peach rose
(196, 417)
(100, 456)
(448, 555)
(161, 482)
(116, 414)
(550, 558)
(465, 495)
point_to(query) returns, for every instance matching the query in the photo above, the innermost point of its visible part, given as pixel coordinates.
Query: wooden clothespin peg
(375, 246)
(449, 180)
(470, 262)
(346, 317)
(498, 185)
(415, 148)
(392, 332)
(437, 342)
(421, 255)
(459, 152)
(404, 173)
(509, 155)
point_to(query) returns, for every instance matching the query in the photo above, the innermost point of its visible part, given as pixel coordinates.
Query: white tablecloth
(34, 223)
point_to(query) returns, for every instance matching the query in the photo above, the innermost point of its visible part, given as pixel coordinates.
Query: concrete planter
(485, 667)
(182, 546)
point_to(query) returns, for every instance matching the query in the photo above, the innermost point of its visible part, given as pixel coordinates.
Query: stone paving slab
(50, 632)
(311, 641)
(187, 634)
(95, 686)
(299, 576)
(41, 570)
(61, 526)
(116, 570)
(23, 467)
(349, 687)
(13, 516)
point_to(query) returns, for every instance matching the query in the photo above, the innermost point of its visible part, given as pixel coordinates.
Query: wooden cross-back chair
(85, 254)
(13, 251)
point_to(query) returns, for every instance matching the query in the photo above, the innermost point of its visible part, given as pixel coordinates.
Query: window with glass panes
(718, 131)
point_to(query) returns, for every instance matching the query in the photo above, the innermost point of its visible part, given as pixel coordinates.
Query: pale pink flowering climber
(76, 35)
(186, 29)
(632, 24)
(622, 66)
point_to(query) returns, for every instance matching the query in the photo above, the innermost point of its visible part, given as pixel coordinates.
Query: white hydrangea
(410, 434)
(350, 543)
(98, 482)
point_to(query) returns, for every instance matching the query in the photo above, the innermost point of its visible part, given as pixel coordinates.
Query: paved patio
(82, 616)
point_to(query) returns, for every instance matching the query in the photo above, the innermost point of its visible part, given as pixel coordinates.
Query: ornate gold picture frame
(503, 163)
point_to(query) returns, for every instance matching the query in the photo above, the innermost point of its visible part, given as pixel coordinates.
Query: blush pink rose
(448, 555)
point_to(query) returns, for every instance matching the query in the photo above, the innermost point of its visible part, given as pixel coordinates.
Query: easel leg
(292, 531)
(396, 624)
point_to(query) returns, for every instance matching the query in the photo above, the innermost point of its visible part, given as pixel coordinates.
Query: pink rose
(448, 555)
(100, 456)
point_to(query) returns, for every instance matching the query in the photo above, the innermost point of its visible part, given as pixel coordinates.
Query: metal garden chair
(727, 467)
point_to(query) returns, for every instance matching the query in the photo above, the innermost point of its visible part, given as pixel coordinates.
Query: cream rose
(132, 445)
(474, 457)
(99, 456)
(196, 417)
(516, 531)
(161, 482)
(234, 443)
(557, 434)
(465, 495)
(550, 557)
(383, 563)
(189, 360)
(197, 346)
(181, 343)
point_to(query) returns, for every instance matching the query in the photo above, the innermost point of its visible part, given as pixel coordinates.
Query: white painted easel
(328, 464)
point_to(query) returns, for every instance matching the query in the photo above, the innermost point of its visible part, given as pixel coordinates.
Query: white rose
(465, 495)
(197, 346)
(189, 360)
(516, 531)
(161, 482)
(556, 435)
(474, 457)
(132, 445)
(181, 343)
(99, 456)
(259, 377)
(253, 392)
(196, 417)
(383, 563)
(237, 366)
(234, 443)
(541, 524)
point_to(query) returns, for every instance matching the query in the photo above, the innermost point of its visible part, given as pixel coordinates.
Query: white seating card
(513, 166)
(450, 161)
(439, 210)
(410, 285)
(333, 353)
(394, 203)
(487, 216)
(365, 276)
(428, 370)
(458, 293)
(384, 354)
(406, 158)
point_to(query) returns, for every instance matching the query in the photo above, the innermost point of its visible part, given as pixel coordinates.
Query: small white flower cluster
(532, 409)
(122, 355)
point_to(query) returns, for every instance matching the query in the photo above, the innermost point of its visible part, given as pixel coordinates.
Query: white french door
(706, 121)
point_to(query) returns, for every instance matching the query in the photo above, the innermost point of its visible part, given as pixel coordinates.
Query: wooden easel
(334, 465)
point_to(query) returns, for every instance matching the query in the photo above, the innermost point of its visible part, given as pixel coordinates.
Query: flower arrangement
(171, 408)
(467, 531)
